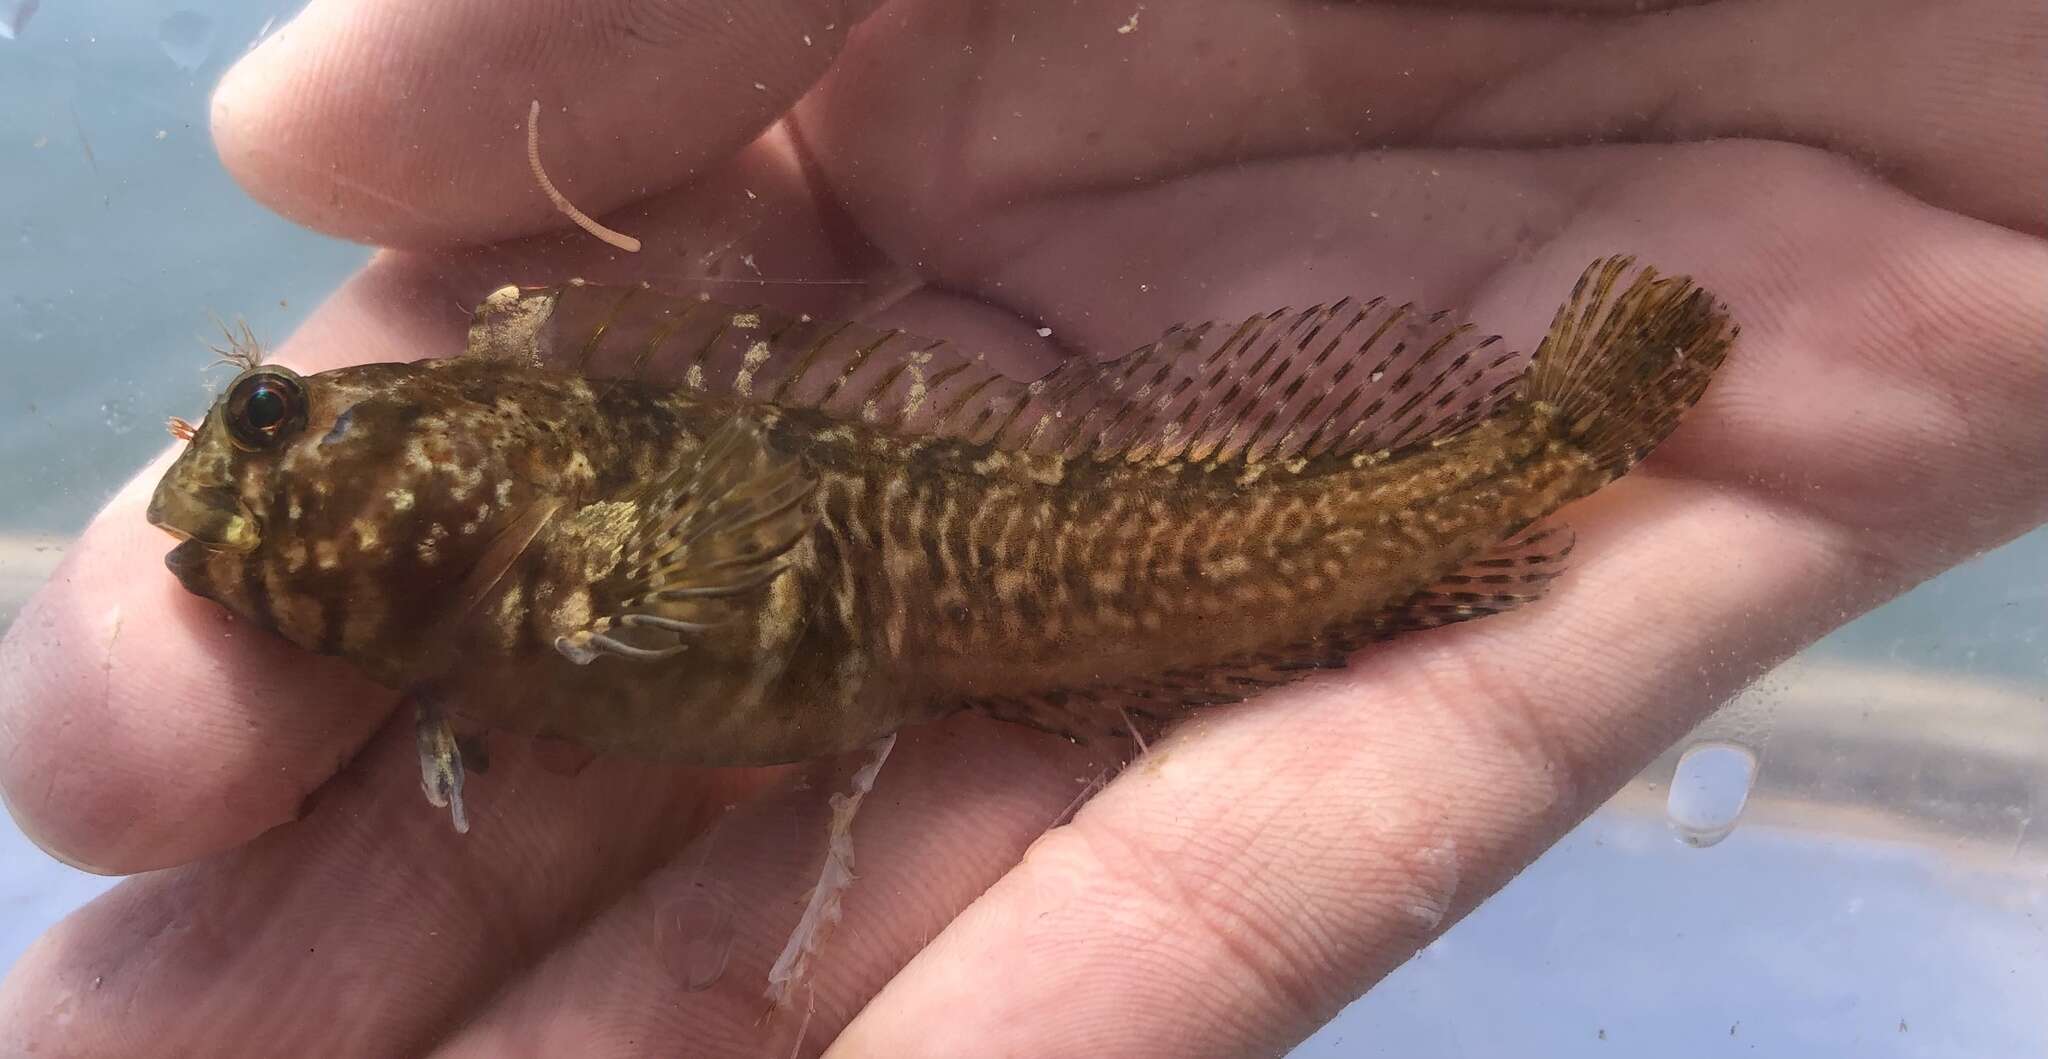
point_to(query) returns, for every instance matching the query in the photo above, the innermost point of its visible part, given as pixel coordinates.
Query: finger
(401, 125)
(365, 928)
(1950, 103)
(685, 956)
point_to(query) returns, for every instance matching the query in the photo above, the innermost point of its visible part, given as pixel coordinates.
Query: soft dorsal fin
(691, 548)
(1340, 378)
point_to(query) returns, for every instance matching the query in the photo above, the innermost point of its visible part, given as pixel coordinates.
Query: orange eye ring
(265, 407)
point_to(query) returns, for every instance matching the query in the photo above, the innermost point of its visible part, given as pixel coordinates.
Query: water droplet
(187, 37)
(1708, 790)
(696, 937)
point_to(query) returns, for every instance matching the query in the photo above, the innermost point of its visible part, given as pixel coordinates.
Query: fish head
(326, 507)
(209, 498)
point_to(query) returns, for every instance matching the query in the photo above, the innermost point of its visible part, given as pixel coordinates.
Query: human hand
(1867, 204)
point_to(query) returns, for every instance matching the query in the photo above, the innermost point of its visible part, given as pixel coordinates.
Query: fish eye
(265, 407)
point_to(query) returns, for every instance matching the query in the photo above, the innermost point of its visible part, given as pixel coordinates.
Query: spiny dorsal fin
(505, 327)
(695, 546)
(1339, 378)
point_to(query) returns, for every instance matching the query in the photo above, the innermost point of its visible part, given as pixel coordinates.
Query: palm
(1271, 861)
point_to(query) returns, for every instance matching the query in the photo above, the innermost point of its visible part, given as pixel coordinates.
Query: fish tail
(1619, 368)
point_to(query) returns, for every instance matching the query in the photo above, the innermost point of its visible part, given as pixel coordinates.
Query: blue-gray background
(1883, 894)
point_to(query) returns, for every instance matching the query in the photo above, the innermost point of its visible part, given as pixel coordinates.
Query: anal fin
(1514, 572)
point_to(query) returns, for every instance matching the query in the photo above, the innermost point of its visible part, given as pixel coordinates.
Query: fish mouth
(187, 563)
(211, 519)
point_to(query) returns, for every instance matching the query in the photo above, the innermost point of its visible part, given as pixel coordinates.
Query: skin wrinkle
(1155, 917)
(1272, 918)
(1181, 906)
(1579, 761)
(1475, 96)
(1204, 902)
(1640, 124)
(286, 159)
(1510, 719)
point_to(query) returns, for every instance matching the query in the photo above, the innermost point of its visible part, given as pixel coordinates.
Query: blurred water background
(1844, 862)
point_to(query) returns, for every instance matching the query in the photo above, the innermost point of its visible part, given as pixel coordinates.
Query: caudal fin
(1621, 368)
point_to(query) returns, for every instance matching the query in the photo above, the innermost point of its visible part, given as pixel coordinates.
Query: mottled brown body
(1035, 576)
(514, 538)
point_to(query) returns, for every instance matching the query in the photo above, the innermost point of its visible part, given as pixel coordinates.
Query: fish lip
(211, 519)
(186, 561)
(161, 520)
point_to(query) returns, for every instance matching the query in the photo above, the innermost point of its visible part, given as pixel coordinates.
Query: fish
(808, 535)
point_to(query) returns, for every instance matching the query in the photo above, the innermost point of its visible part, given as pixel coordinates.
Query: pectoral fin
(700, 545)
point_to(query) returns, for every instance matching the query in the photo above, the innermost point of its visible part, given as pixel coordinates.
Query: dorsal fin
(1339, 378)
